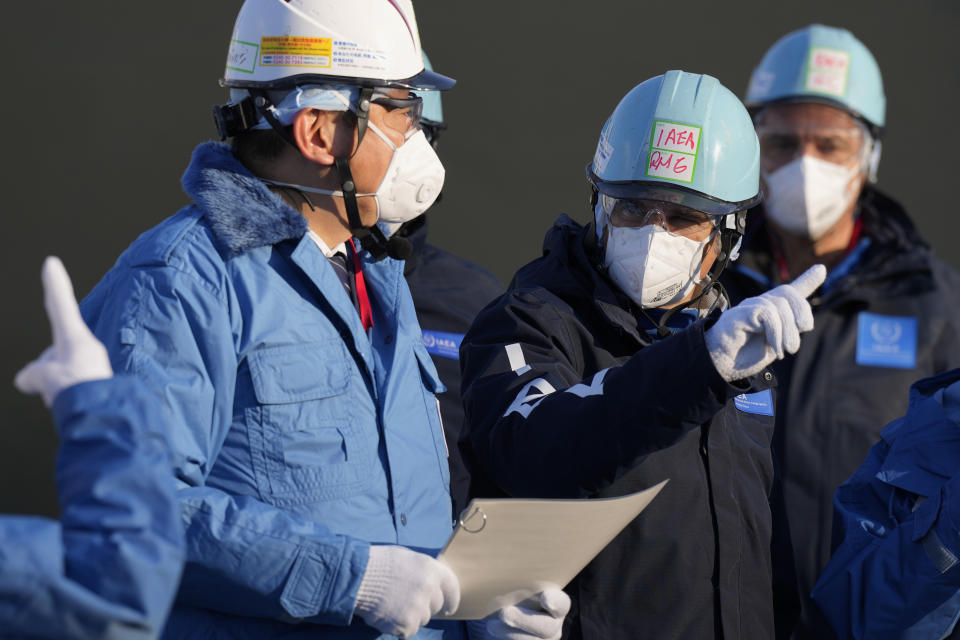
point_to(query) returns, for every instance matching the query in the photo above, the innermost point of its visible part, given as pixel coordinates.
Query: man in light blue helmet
(886, 314)
(271, 320)
(109, 568)
(448, 292)
(613, 362)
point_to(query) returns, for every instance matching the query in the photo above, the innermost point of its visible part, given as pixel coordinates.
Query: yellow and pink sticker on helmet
(673, 151)
(296, 51)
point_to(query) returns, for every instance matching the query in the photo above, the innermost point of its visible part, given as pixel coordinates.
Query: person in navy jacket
(613, 362)
(895, 571)
(886, 313)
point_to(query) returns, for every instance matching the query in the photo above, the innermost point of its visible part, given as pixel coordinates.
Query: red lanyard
(363, 300)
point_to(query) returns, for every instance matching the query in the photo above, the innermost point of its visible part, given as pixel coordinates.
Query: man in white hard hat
(272, 319)
(886, 314)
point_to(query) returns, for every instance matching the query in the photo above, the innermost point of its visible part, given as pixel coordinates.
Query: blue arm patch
(440, 343)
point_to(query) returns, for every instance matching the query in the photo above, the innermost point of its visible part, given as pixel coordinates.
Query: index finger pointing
(59, 300)
(810, 279)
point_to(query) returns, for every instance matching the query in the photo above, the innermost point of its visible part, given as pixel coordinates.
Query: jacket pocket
(432, 385)
(305, 447)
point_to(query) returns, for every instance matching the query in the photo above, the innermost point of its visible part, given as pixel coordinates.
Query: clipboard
(505, 550)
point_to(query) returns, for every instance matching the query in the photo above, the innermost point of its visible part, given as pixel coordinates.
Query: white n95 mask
(808, 196)
(413, 180)
(651, 265)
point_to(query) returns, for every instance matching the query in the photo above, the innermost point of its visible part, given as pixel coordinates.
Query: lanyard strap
(363, 300)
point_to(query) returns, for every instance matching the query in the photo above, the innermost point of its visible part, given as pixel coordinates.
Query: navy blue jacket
(567, 397)
(448, 292)
(895, 573)
(886, 316)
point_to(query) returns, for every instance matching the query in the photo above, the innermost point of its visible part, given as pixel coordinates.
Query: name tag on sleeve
(440, 343)
(886, 341)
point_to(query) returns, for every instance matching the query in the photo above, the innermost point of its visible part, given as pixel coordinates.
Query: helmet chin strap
(371, 238)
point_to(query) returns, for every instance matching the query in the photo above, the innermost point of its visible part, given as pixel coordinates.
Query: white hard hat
(278, 44)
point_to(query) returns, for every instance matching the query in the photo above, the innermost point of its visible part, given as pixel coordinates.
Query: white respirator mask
(651, 265)
(413, 180)
(808, 196)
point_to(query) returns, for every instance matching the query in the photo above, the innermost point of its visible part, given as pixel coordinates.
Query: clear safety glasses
(402, 114)
(779, 146)
(675, 218)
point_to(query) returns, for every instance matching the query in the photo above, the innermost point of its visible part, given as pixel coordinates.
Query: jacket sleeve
(110, 569)
(175, 331)
(885, 576)
(540, 427)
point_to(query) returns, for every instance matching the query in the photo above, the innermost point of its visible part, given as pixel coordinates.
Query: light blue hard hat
(681, 138)
(821, 64)
(432, 107)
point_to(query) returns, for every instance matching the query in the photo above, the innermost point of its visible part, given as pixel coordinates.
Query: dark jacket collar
(241, 211)
(569, 269)
(416, 232)
(896, 247)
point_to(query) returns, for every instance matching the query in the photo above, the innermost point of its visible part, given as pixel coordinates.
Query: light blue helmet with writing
(821, 64)
(681, 138)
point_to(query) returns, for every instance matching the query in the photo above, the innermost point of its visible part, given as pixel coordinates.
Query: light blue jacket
(298, 438)
(896, 571)
(109, 568)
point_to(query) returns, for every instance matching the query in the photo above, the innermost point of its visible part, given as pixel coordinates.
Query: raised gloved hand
(748, 337)
(538, 618)
(402, 589)
(75, 355)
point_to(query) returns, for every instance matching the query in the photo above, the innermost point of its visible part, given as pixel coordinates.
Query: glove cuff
(376, 579)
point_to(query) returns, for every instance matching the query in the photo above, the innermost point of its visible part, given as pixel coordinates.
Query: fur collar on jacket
(241, 211)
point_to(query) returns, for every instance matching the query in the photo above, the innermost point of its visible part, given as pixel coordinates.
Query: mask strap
(371, 238)
(873, 164)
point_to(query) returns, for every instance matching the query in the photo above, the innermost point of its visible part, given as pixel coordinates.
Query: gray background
(104, 102)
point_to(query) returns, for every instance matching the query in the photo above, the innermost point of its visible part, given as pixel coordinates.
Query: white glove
(76, 355)
(402, 589)
(538, 618)
(748, 337)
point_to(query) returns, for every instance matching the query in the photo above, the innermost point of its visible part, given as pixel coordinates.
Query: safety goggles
(779, 146)
(401, 114)
(675, 218)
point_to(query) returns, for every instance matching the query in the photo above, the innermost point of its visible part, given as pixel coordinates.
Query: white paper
(506, 550)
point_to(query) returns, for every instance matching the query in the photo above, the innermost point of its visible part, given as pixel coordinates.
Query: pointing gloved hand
(76, 355)
(748, 337)
(538, 618)
(402, 589)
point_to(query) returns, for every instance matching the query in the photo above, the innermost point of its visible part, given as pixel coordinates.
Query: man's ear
(314, 132)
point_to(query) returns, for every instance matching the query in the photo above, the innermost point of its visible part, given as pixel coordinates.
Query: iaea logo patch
(886, 341)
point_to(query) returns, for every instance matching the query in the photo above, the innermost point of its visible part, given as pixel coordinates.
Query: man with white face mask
(272, 321)
(613, 362)
(886, 314)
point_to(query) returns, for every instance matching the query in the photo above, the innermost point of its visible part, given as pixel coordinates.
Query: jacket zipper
(715, 577)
